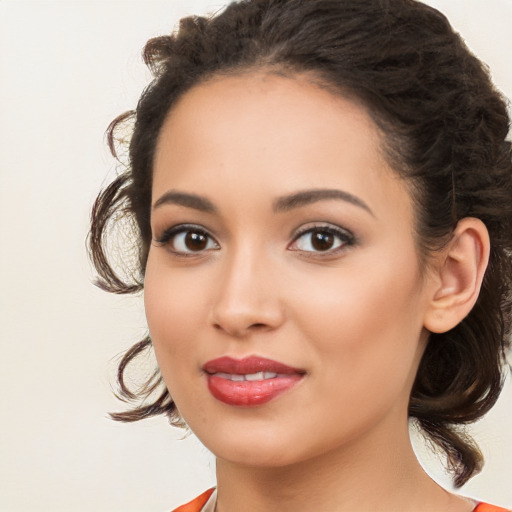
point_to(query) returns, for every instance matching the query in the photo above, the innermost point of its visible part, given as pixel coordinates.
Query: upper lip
(248, 365)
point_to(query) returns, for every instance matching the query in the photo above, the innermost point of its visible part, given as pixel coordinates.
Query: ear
(458, 276)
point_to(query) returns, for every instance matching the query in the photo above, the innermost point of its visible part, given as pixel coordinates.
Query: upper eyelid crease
(335, 230)
(341, 233)
(180, 228)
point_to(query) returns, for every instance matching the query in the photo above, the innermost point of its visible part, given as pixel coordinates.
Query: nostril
(241, 319)
(255, 326)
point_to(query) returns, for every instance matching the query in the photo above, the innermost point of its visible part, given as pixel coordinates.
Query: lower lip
(250, 393)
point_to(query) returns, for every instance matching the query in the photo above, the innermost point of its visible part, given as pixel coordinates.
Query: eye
(322, 239)
(187, 240)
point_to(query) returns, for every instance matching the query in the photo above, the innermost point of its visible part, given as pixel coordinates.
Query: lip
(249, 393)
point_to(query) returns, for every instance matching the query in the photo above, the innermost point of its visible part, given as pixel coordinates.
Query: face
(283, 292)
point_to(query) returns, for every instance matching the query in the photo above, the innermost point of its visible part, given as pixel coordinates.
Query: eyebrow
(306, 197)
(280, 205)
(186, 199)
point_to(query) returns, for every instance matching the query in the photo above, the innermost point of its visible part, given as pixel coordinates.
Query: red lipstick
(250, 381)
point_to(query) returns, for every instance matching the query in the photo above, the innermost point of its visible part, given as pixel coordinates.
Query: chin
(258, 457)
(252, 447)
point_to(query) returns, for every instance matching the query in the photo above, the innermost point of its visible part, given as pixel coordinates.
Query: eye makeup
(187, 240)
(317, 240)
(322, 240)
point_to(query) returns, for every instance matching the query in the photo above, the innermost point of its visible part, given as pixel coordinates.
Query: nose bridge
(247, 294)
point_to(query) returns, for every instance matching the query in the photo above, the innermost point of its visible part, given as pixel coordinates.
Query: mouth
(250, 381)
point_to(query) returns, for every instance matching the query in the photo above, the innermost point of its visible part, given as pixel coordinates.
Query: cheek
(174, 313)
(365, 354)
(364, 316)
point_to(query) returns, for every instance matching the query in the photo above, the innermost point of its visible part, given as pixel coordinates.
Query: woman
(321, 195)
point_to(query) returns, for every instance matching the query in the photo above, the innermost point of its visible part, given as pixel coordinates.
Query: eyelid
(347, 238)
(170, 233)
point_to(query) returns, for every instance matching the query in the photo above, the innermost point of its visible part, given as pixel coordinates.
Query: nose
(248, 297)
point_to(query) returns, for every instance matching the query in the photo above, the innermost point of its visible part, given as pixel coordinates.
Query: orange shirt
(485, 507)
(197, 504)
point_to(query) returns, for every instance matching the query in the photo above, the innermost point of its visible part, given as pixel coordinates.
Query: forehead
(259, 100)
(273, 134)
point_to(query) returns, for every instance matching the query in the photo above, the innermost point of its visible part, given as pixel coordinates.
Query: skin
(352, 317)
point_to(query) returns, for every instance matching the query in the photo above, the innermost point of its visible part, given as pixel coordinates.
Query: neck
(369, 474)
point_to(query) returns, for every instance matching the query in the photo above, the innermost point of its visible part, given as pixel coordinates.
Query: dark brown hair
(444, 128)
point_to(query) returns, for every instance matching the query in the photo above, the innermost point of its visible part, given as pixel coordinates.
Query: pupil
(322, 241)
(195, 241)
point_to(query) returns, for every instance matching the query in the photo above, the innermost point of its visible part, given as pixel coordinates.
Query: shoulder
(197, 504)
(485, 507)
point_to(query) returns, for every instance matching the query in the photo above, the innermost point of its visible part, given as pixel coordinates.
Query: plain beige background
(66, 69)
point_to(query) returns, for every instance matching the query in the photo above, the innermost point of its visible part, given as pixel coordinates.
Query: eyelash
(345, 239)
(169, 236)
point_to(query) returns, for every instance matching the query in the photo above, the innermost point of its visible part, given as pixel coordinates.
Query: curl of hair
(444, 129)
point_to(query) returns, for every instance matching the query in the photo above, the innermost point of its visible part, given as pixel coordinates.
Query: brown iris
(322, 240)
(196, 241)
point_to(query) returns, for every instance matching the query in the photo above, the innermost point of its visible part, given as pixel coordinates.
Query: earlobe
(459, 276)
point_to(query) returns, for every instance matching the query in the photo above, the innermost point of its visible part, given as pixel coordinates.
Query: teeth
(254, 376)
(248, 376)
